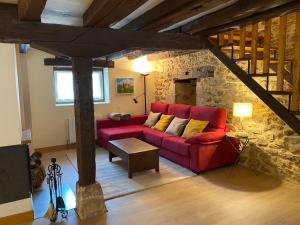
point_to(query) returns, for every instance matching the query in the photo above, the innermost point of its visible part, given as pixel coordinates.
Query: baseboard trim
(56, 148)
(17, 218)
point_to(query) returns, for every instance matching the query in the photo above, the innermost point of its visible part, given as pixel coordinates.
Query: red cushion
(121, 132)
(154, 137)
(159, 107)
(206, 138)
(179, 110)
(215, 116)
(176, 145)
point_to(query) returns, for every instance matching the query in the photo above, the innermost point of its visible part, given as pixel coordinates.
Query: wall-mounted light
(142, 66)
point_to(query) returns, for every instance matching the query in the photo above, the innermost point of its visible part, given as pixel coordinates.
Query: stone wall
(274, 148)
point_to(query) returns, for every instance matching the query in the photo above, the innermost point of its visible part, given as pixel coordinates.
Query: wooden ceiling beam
(80, 41)
(31, 9)
(103, 13)
(170, 12)
(230, 15)
(58, 61)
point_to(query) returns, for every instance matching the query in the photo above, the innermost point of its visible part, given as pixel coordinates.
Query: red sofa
(203, 151)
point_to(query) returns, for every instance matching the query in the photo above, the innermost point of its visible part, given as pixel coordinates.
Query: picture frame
(124, 86)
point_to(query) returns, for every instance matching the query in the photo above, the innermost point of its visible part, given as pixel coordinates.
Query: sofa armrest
(108, 123)
(206, 138)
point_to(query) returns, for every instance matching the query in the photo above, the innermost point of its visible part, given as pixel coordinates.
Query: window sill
(72, 104)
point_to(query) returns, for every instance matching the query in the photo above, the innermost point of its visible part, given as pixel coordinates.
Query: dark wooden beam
(170, 12)
(257, 89)
(103, 13)
(66, 62)
(84, 119)
(31, 9)
(242, 12)
(86, 42)
(109, 41)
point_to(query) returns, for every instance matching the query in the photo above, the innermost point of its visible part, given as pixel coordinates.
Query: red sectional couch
(203, 151)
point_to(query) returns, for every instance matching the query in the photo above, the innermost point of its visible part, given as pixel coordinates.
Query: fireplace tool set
(57, 204)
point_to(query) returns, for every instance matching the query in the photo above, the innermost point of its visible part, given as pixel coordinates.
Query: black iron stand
(55, 188)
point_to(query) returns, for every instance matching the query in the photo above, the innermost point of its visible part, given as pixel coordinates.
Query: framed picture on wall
(124, 85)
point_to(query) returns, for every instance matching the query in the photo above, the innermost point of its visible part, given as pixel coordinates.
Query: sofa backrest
(159, 107)
(215, 116)
(179, 110)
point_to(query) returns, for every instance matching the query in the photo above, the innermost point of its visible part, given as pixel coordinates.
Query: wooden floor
(227, 196)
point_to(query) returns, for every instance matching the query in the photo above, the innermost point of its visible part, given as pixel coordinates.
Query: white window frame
(103, 86)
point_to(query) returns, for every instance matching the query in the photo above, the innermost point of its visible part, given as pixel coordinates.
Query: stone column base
(90, 201)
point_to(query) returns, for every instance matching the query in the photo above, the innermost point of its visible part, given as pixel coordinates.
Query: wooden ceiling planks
(238, 11)
(103, 13)
(171, 12)
(31, 10)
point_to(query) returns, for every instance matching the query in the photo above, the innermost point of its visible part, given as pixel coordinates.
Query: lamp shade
(242, 109)
(141, 65)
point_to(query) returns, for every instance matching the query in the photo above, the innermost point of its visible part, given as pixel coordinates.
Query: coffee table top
(133, 145)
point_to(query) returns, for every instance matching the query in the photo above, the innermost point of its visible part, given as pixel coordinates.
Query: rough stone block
(89, 201)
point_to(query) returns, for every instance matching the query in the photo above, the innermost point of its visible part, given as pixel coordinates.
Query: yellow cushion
(194, 127)
(163, 122)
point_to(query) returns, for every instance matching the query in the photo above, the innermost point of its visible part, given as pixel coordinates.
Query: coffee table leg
(157, 163)
(110, 155)
(157, 168)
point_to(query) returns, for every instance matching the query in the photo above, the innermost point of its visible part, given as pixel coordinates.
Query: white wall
(50, 122)
(10, 122)
(10, 119)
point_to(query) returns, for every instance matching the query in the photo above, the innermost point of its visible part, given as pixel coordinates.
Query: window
(64, 93)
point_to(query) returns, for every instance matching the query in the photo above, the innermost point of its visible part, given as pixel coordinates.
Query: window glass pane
(97, 86)
(64, 86)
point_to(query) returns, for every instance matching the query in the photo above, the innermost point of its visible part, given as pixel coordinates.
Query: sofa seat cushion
(121, 132)
(176, 145)
(154, 137)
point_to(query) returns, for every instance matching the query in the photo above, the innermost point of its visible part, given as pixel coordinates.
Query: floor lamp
(142, 66)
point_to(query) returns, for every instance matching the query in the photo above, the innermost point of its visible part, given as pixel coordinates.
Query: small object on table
(119, 116)
(243, 142)
(137, 154)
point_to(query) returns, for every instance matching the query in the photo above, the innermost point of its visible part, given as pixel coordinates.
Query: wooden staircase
(240, 45)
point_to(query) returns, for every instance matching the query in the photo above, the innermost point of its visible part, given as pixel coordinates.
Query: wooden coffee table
(137, 154)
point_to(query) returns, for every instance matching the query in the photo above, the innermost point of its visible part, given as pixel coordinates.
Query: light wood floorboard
(226, 196)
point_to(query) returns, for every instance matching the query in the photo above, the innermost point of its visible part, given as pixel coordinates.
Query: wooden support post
(230, 37)
(242, 42)
(296, 75)
(254, 48)
(267, 45)
(89, 201)
(221, 39)
(84, 116)
(281, 51)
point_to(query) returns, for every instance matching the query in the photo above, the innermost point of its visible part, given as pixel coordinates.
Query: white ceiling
(68, 12)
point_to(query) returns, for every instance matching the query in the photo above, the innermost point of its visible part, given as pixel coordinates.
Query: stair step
(296, 112)
(263, 75)
(280, 92)
(237, 48)
(272, 61)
